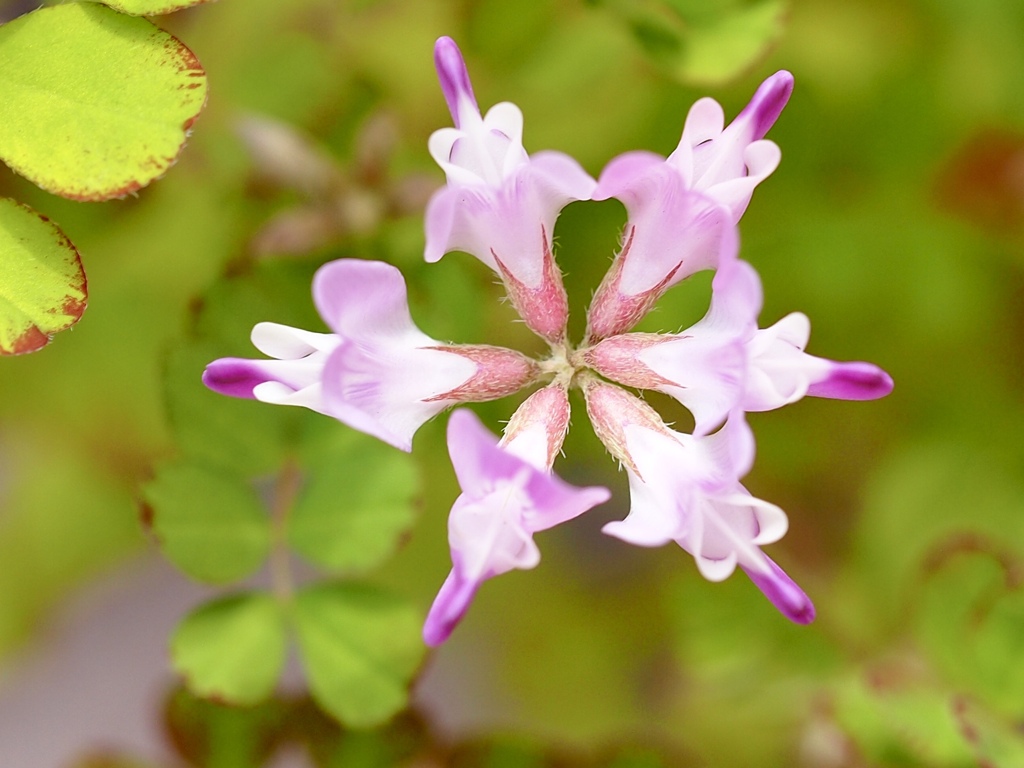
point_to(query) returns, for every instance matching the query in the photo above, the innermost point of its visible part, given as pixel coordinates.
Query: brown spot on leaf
(146, 515)
(31, 340)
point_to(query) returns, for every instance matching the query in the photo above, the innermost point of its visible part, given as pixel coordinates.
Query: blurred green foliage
(896, 222)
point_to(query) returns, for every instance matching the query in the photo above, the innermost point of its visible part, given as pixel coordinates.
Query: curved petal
(765, 106)
(449, 607)
(623, 172)
(727, 455)
(488, 534)
(560, 178)
(287, 343)
(236, 376)
(782, 591)
(734, 188)
(278, 393)
(292, 380)
(676, 232)
(661, 486)
(455, 83)
(438, 221)
(671, 234)
(481, 466)
(390, 389)
(851, 381)
(478, 462)
(362, 299)
(654, 519)
(705, 366)
(504, 501)
(704, 372)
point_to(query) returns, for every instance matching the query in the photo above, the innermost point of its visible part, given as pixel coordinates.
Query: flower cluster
(377, 372)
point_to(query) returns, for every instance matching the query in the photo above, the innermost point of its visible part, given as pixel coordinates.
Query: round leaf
(356, 504)
(42, 283)
(360, 646)
(211, 523)
(152, 7)
(94, 104)
(232, 649)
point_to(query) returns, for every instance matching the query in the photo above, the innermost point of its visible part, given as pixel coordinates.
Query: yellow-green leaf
(152, 7)
(232, 649)
(357, 503)
(210, 522)
(360, 646)
(94, 104)
(42, 283)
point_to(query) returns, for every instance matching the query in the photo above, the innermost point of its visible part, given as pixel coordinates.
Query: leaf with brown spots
(94, 104)
(42, 283)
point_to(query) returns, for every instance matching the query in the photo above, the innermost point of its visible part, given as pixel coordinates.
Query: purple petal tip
(768, 102)
(783, 592)
(451, 71)
(853, 381)
(233, 376)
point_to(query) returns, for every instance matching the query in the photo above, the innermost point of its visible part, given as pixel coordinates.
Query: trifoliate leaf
(42, 283)
(357, 502)
(232, 649)
(94, 104)
(210, 522)
(151, 7)
(360, 646)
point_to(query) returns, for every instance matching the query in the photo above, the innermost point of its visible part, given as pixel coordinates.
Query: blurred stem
(285, 490)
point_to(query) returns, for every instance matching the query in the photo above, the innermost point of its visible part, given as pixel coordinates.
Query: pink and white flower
(681, 208)
(377, 372)
(500, 204)
(505, 499)
(725, 362)
(687, 489)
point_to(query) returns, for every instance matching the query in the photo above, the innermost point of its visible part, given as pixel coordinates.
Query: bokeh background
(895, 221)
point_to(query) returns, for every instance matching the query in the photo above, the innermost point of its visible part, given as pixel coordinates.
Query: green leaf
(42, 283)
(361, 646)
(151, 7)
(356, 504)
(242, 436)
(699, 42)
(205, 733)
(232, 649)
(972, 621)
(895, 719)
(995, 741)
(210, 522)
(94, 104)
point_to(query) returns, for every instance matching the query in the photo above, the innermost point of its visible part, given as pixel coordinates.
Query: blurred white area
(95, 678)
